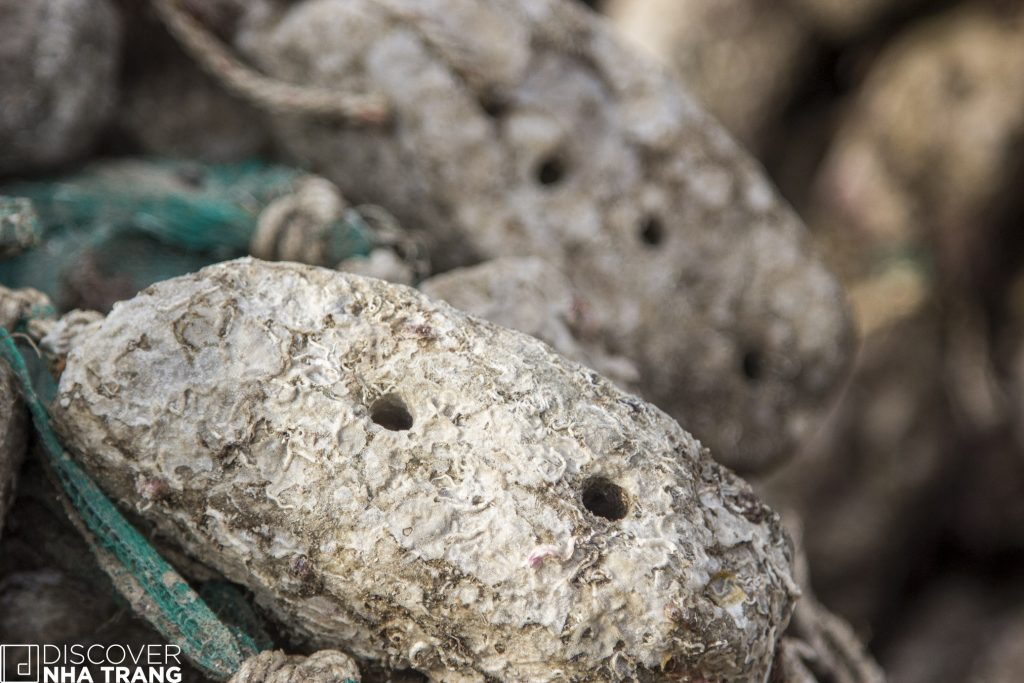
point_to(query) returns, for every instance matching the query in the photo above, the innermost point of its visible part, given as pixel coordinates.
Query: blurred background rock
(895, 127)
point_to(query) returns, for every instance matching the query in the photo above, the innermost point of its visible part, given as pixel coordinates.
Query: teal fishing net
(129, 224)
(124, 225)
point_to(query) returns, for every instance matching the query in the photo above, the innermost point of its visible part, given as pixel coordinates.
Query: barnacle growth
(420, 488)
(572, 148)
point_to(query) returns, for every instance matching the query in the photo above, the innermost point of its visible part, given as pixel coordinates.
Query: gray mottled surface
(251, 411)
(532, 296)
(528, 129)
(58, 79)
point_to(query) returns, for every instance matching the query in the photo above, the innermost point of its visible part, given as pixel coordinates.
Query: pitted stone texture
(421, 488)
(528, 129)
(273, 666)
(58, 79)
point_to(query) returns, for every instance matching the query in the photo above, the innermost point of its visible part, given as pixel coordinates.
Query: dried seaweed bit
(421, 488)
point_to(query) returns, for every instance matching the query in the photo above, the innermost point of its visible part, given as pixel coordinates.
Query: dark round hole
(605, 499)
(390, 413)
(493, 106)
(652, 232)
(551, 170)
(753, 366)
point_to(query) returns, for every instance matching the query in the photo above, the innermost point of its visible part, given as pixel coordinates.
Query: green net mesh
(131, 223)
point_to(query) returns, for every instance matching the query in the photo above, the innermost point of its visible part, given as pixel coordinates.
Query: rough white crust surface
(570, 147)
(240, 409)
(274, 666)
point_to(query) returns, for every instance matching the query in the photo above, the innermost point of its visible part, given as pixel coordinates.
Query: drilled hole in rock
(652, 232)
(390, 413)
(605, 499)
(493, 107)
(551, 170)
(753, 365)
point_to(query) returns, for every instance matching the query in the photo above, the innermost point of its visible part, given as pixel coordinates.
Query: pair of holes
(551, 171)
(600, 496)
(652, 233)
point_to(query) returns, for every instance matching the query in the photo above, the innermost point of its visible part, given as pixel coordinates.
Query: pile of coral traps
(363, 341)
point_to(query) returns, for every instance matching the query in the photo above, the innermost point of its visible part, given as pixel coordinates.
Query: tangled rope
(267, 93)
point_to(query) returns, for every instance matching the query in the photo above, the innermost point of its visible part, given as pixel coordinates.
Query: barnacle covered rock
(274, 666)
(570, 147)
(58, 79)
(420, 488)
